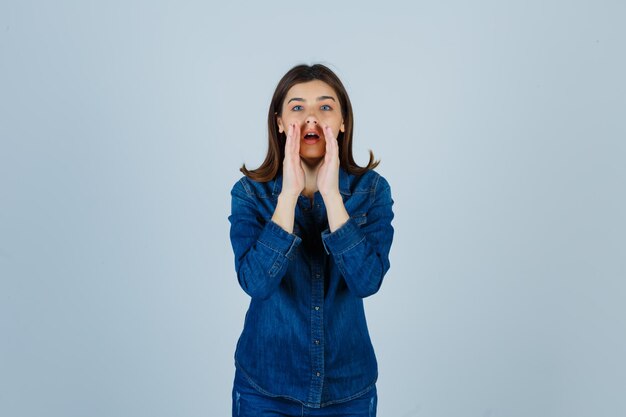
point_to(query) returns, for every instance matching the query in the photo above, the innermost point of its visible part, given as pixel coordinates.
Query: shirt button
(317, 275)
(317, 342)
(318, 374)
(317, 308)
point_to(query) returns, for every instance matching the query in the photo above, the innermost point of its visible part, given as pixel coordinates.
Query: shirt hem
(304, 403)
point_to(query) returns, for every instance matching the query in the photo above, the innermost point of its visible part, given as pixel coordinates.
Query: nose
(311, 120)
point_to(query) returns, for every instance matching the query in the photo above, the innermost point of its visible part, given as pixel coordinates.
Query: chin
(312, 159)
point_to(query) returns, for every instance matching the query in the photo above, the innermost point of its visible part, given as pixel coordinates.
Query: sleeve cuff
(345, 238)
(279, 240)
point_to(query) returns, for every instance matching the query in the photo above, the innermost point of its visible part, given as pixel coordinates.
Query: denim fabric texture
(305, 336)
(248, 402)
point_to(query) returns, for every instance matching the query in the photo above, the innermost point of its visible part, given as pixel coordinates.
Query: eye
(326, 107)
(297, 108)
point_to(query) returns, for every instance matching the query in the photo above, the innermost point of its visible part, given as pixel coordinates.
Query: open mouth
(311, 138)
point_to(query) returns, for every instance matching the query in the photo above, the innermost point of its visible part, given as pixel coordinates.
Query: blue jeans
(248, 402)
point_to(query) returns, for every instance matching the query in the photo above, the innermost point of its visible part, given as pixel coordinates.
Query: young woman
(311, 232)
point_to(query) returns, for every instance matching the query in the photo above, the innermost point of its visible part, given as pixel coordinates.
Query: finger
(288, 140)
(329, 135)
(296, 130)
(295, 142)
(328, 132)
(331, 142)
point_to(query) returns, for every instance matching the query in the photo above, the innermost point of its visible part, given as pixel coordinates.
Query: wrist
(336, 211)
(284, 212)
(333, 195)
(288, 199)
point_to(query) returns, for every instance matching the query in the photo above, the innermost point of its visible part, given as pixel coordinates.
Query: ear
(342, 128)
(279, 121)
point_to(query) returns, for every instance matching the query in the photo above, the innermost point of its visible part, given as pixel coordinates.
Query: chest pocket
(359, 218)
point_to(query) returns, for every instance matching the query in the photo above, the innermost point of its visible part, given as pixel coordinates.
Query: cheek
(292, 119)
(334, 123)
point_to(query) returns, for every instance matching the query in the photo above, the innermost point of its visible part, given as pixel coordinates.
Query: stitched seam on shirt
(246, 186)
(290, 254)
(374, 186)
(249, 191)
(351, 397)
(261, 390)
(360, 219)
(267, 245)
(351, 246)
(276, 266)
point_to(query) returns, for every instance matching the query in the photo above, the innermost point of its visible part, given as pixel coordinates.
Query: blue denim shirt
(305, 336)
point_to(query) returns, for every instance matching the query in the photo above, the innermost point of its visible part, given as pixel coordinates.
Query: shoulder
(368, 182)
(250, 188)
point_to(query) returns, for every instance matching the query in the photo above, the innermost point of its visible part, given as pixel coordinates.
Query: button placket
(317, 330)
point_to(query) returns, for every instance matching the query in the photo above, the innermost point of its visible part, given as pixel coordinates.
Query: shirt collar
(344, 183)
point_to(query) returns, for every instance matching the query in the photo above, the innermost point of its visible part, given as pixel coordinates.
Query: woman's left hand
(328, 183)
(328, 172)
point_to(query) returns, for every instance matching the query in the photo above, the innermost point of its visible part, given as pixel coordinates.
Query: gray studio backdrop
(500, 126)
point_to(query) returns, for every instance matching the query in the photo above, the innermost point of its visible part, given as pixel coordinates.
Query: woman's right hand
(293, 173)
(293, 181)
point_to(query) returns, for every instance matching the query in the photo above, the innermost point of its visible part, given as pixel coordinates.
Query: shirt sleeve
(262, 248)
(362, 252)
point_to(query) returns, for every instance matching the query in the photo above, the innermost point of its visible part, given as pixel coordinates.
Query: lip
(311, 141)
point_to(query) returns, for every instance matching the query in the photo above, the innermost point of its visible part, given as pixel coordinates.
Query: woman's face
(311, 106)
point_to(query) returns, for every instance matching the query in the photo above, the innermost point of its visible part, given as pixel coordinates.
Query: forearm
(361, 250)
(362, 263)
(261, 260)
(363, 266)
(285, 212)
(335, 210)
(263, 249)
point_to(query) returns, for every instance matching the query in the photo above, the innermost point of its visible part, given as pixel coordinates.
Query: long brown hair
(273, 163)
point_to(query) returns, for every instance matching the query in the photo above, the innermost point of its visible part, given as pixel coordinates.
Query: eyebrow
(320, 98)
